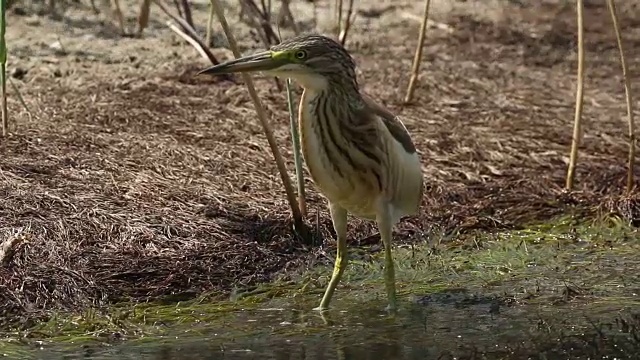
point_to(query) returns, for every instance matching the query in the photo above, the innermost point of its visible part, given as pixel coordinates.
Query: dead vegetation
(135, 180)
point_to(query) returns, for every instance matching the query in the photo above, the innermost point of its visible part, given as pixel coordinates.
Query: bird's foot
(321, 308)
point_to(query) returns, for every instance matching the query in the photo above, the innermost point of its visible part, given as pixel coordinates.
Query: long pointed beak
(257, 62)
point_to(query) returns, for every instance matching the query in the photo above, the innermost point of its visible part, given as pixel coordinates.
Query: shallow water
(450, 325)
(551, 297)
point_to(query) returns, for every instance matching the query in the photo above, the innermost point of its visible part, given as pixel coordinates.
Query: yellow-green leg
(339, 218)
(385, 226)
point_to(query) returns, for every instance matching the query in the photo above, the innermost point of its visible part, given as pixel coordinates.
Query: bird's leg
(385, 226)
(339, 218)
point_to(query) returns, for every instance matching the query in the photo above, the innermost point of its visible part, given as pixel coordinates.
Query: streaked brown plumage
(358, 153)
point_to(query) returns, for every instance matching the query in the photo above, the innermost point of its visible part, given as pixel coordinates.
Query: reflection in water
(451, 325)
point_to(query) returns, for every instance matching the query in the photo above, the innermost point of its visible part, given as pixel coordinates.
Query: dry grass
(134, 179)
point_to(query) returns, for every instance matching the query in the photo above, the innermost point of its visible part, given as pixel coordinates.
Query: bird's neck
(340, 85)
(336, 90)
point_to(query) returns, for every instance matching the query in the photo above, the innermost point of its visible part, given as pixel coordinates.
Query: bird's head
(311, 60)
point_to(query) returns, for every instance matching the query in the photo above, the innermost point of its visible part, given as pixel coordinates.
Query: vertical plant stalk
(297, 153)
(3, 67)
(118, 13)
(177, 5)
(189, 39)
(577, 120)
(285, 15)
(627, 91)
(338, 17)
(259, 20)
(207, 39)
(187, 12)
(266, 11)
(415, 68)
(191, 33)
(295, 140)
(299, 224)
(347, 25)
(143, 16)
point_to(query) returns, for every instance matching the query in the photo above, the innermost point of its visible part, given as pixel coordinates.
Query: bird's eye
(300, 54)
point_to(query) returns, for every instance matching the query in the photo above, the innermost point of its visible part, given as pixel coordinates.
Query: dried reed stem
(295, 140)
(339, 17)
(286, 14)
(3, 66)
(143, 16)
(347, 25)
(207, 39)
(627, 91)
(577, 129)
(5, 115)
(120, 17)
(177, 5)
(297, 153)
(415, 69)
(189, 39)
(260, 20)
(188, 30)
(187, 12)
(300, 227)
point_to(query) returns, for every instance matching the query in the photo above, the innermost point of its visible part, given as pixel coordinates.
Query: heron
(358, 153)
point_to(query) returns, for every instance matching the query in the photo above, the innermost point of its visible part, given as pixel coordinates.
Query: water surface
(448, 325)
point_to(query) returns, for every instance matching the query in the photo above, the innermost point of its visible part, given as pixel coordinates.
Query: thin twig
(185, 25)
(187, 12)
(339, 17)
(120, 17)
(265, 10)
(191, 33)
(3, 68)
(295, 140)
(347, 25)
(5, 115)
(627, 91)
(209, 26)
(297, 155)
(315, 14)
(418, 54)
(143, 16)
(295, 210)
(177, 5)
(189, 39)
(260, 22)
(253, 19)
(263, 21)
(285, 16)
(577, 126)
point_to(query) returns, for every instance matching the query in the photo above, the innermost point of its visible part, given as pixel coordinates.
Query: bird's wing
(393, 124)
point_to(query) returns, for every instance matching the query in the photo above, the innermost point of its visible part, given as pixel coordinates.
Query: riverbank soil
(132, 179)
